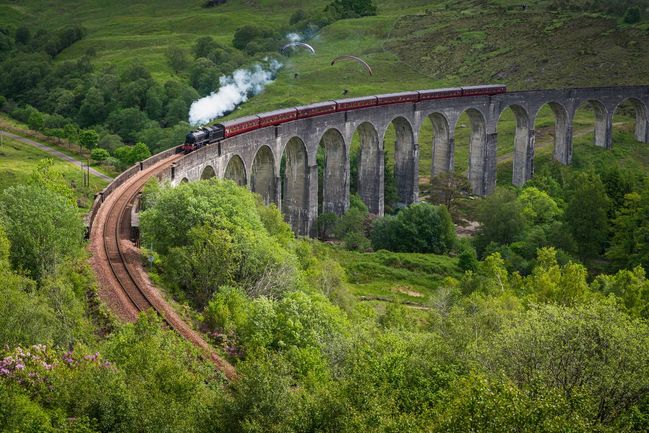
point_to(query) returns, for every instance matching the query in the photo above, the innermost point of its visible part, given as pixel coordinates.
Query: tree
(203, 46)
(92, 109)
(23, 35)
(99, 154)
(351, 8)
(88, 138)
(630, 232)
(594, 354)
(177, 58)
(244, 35)
(538, 207)
(43, 228)
(36, 121)
(501, 220)
(139, 152)
(71, 132)
(127, 123)
(587, 212)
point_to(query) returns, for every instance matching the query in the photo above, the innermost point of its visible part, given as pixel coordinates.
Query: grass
(18, 160)
(399, 277)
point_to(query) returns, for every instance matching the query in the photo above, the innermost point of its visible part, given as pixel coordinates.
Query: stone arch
(641, 118)
(442, 144)
(562, 132)
(370, 168)
(262, 177)
(405, 161)
(208, 172)
(295, 186)
(335, 179)
(602, 133)
(236, 170)
(523, 158)
(184, 180)
(477, 150)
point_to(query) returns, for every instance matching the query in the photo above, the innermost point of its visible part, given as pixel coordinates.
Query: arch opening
(262, 176)
(400, 165)
(630, 116)
(590, 125)
(208, 172)
(236, 170)
(436, 179)
(295, 185)
(515, 147)
(552, 136)
(184, 180)
(366, 167)
(470, 149)
(333, 179)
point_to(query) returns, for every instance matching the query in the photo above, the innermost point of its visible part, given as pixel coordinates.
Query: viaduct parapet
(253, 159)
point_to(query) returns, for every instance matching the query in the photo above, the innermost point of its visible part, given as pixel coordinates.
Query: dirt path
(56, 153)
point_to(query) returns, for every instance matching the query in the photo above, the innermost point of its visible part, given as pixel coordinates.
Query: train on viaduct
(252, 158)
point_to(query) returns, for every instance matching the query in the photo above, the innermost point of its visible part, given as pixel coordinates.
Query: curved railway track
(117, 263)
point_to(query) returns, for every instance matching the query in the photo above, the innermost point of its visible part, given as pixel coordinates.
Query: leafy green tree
(550, 282)
(36, 121)
(207, 263)
(48, 176)
(587, 213)
(203, 46)
(351, 8)
(501, 220)
(630, 232)
(93, 109)
(44, 229)
(88, 138)
(71, 132)
(139, 152)
(419, 227)
(538, 207)
(630, 286)
(23, 35)
(127, 123)
(110, 142)
(177, 58)
(99, 154)
(594, 355)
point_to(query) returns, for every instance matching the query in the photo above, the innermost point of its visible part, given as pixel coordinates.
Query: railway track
(125, 287)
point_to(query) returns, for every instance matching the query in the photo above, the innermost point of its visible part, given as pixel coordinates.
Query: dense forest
(536, 322)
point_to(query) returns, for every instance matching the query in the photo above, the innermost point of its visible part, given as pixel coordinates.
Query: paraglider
(355, 59)
(297, 44)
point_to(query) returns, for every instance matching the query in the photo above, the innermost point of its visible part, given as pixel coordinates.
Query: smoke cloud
(294, 37)
(233, 91)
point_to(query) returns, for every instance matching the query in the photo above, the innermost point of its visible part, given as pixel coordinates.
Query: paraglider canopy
(297, 44)
(354, 59)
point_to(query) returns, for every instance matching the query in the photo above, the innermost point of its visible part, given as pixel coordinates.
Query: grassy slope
(412, 44)
(18, 160)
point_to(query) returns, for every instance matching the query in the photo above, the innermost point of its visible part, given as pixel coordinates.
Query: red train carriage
(493, 89)
(239, 126)
(397, 98)
(318, 109)
(277, 117)
(454, 92)
(355, 103)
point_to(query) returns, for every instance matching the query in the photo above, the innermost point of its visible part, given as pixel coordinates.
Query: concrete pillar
(604, 129)
(523, 169)
(489, 173)
(310, 220)
(563, 141)
(371, 170)
(415, 174)
(442, 151)
(641, 122)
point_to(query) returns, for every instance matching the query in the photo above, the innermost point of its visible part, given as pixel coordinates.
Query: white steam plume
(294, 37)
(233, 90)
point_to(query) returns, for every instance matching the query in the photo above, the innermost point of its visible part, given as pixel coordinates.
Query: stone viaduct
(253, 159)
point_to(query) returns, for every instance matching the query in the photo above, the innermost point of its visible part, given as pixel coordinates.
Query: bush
(632, 15)
(99, 154)
(420, 228)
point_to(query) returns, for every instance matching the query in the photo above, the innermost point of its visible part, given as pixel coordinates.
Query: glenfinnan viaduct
(253, 159)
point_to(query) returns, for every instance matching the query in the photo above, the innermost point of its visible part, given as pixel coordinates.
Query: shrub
(99, 154)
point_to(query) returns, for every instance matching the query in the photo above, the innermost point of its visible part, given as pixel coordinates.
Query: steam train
(212, 134)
